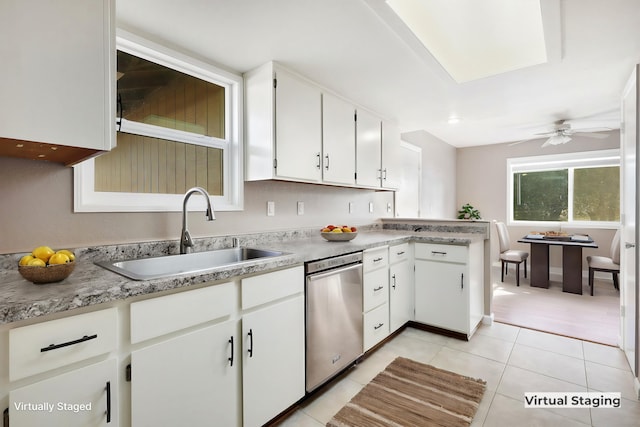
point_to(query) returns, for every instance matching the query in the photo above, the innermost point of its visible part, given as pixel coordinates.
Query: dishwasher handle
(331, 272)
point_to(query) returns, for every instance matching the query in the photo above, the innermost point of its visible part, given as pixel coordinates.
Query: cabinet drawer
(376, 326)
(269, 287)
(375, 289)
(398, 253)
(39, 348)
(438, 252)
(159, 316)
(373, 259)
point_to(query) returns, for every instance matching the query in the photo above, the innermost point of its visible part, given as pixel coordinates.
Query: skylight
(473, 39)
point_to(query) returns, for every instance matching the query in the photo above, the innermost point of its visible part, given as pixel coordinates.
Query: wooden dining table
(571, 260)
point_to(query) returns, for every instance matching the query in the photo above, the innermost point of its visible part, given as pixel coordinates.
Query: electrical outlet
(300, 208)
(370, 207)
(389, 207)
(350, 207)
(271, 208)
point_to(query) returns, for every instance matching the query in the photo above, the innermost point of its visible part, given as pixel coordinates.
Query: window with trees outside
(574, 189)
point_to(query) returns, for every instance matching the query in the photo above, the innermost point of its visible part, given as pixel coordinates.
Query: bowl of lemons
(44, 265)
(342, 233)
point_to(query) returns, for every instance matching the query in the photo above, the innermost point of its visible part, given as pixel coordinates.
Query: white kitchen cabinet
(449, 290)
(375, 298)
(401, 288)
(192, 376)
(390, 166)
(192, 379)
(273, 357)
(84, 397)
(368, 149)
(58, 87)
(283, 126)
(338, 141)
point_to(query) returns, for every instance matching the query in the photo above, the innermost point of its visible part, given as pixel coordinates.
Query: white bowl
(338, 237)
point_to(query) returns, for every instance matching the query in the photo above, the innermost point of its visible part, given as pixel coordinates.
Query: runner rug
(408, 393)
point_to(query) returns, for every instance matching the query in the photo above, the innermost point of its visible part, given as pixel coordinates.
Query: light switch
(300, 208)
(350, 207)
(370, 207)
(271, 208)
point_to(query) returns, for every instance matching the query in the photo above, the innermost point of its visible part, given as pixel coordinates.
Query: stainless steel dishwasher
(333, 316)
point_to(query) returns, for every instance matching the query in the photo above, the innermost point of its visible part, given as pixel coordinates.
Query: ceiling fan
(563, 132)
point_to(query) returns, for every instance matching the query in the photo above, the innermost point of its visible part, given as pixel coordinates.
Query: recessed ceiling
(357, 49)
(474, 39)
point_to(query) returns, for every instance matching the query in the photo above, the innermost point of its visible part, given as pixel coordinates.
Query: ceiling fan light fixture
(557, 140)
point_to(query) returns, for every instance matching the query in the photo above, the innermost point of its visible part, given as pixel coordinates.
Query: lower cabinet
(273, 355)
(273, 360)
(191, 379)
(375, 300)
(84, 397)
(401, 288)
(448, 286)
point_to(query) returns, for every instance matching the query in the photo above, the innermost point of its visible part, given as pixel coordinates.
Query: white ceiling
(358, 49)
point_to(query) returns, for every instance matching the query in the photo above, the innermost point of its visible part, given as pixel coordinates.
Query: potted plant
(468, 212)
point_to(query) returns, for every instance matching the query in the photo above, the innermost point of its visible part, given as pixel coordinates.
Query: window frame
(570, 161)
(86, 199)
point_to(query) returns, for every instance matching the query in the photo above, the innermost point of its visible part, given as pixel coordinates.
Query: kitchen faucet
(186, 244)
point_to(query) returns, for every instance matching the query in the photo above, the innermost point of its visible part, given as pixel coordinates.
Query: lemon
(337, 230)
(43, 252)
(58, 258)
(37, 262)
(25, 260)
(68, 253)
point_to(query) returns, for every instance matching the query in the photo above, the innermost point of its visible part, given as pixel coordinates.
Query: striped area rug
(408, 393)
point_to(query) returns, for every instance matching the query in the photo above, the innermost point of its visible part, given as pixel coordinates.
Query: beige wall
(482, 182)
(36, 208)
(438, 198)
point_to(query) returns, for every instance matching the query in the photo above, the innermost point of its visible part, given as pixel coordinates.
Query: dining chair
(609, 264)
(508, 255)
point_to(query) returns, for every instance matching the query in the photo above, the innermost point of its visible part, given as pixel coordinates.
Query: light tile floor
(512, 360)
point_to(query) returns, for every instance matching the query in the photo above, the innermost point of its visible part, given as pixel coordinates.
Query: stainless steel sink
(196, 262)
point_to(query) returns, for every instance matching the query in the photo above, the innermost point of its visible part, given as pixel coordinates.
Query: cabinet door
(400, 295)
(188, 380)
(368, 154)
(57, 86)
(273, 375)
(338, 141)
(85, 397)
(391, 173)
(442, 295)
(298, 119)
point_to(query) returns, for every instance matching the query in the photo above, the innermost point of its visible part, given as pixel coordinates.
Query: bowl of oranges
(342, 233)
(44, 265)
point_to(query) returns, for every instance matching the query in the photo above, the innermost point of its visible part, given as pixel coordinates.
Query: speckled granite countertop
(90, 284)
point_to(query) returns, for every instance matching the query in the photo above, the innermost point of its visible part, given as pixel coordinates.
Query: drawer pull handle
(380, 325)
(400, 253)
(379, 288)
(66, 344)
(250, 350)
(108, 388)
(230, 359)
(461, 280)
(394, 281)
(438, 253)
(377, 259)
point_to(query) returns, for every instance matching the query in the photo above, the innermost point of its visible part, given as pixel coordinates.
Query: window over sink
(178, 126)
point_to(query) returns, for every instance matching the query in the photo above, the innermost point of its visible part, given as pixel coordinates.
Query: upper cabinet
(57, 79)
(297, 131)
(283, 126)
(378, 150)
(338, 141)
